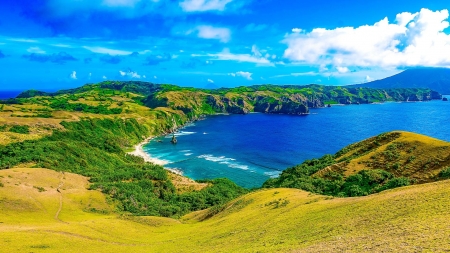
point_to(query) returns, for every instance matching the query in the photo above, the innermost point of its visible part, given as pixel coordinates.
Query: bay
(249, 149)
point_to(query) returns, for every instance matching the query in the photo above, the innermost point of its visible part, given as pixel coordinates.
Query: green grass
(407, 219)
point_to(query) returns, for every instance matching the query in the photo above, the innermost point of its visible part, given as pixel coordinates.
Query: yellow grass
(420, 158)
(408, 219)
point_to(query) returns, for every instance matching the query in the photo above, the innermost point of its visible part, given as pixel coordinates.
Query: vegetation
(94, 148)
(386, 161)
(407, 219)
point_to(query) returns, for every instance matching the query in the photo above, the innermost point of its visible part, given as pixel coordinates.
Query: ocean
(249, 149)
(5, 94)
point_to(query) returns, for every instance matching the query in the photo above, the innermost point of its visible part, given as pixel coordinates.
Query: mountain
(437, 79)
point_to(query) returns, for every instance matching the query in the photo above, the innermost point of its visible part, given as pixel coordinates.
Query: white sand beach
(139, 151)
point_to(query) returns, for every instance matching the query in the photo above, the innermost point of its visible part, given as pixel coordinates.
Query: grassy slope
(408, 219)
(411, 155)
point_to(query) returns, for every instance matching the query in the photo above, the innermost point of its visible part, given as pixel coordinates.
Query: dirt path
(58, 189)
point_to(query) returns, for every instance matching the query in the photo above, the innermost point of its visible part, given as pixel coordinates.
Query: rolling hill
(47, 211)
(383, 162)
(437, 79)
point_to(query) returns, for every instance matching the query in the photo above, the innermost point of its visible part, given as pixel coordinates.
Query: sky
(57, 44)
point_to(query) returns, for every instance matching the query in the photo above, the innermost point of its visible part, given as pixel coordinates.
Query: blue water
(5, 94)
(249, 149)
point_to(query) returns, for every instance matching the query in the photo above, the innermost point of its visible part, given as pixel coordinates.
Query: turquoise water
(249, 149)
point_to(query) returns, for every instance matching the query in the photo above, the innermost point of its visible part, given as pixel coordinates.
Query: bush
(20, 129)
(445, 173)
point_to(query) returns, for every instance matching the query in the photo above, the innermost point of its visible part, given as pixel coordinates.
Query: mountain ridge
(437, 79)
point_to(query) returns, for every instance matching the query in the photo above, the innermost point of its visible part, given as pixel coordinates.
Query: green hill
(382, 162)
(46, 211)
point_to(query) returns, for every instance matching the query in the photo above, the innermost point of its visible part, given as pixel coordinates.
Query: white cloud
(73, 75)
(342, 70)
(368, 79)
(129, 74)
(246, 75)
(155, 77)
(104, 50)
(210, 32)
(225, 55)
(204, 5)
(296, 30)
(35, 50)
(104, 77)
(23, 40)
(414, 39)
(256, 51)
(210, 81)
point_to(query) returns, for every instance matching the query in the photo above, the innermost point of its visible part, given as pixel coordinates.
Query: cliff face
(295, 100)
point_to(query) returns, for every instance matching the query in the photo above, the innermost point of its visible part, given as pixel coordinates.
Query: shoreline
(139, 151)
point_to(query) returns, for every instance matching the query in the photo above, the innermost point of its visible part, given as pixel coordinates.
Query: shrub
(20, 129)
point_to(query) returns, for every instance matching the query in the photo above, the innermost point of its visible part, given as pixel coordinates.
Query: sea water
(249, 149)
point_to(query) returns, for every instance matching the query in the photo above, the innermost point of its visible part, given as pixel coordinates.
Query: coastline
(139, 151)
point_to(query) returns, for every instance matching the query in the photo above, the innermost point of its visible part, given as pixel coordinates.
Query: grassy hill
(36, 217)
(106, 205)
(382, 162)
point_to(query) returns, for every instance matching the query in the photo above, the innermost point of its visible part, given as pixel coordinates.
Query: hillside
(39, 218)
(193, 102)
(87, 132)
(382, 162)
(437, 79)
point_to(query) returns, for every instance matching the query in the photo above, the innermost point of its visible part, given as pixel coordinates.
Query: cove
(249, 149)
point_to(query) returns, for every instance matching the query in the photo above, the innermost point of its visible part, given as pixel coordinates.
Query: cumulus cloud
(204, 5)
(210, 81)
(342, 70)
(368, 79)
(104, 77)
(111, 59)
(129, 74)
(414, 39)
(73, 75)
(211, 32)
(296, 30)
(59, 58)
(157, 59)
(246, 75)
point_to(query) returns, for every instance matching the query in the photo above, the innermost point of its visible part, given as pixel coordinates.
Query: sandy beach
(139, 151)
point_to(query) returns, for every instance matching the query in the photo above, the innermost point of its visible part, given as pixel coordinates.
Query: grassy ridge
(382, 162)
(408, 219)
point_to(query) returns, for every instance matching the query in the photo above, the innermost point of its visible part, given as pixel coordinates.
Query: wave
(185, 151)
(272, 174)
(181, 133)
(224, 160)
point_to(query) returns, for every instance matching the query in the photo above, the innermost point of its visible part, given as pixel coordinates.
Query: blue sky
(54, 44)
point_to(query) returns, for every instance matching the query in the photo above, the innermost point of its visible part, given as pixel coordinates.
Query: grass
(407, 219)
(415, 156)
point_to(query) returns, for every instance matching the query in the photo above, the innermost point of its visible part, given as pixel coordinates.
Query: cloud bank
(414, 39)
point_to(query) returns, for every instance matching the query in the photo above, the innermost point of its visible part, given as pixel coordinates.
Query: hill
(382, 162)
(437, 79)
(46, 211)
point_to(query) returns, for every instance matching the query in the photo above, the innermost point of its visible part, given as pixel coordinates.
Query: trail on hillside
(58, 189)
